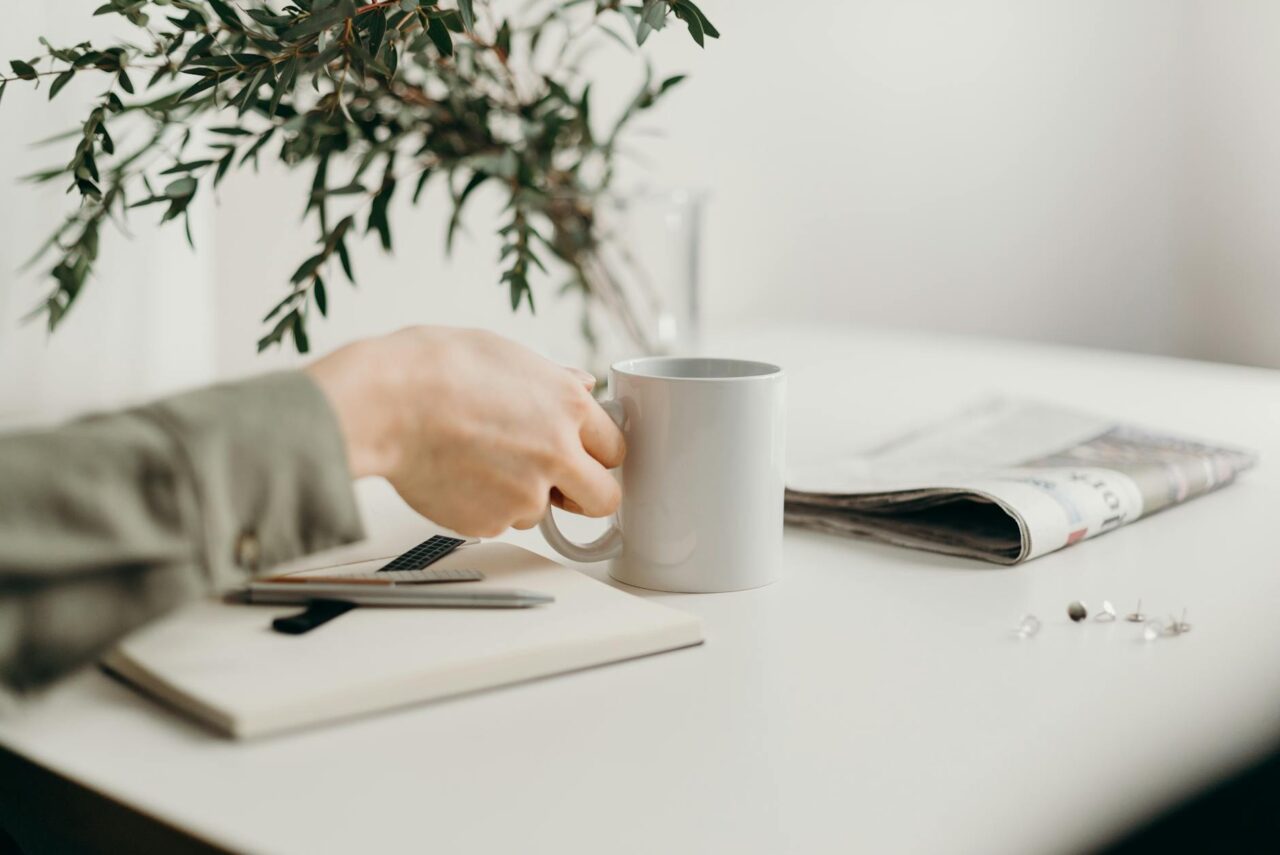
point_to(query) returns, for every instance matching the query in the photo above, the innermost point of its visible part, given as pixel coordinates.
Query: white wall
(1232, 249)
(1087, 171)
(1003, 167)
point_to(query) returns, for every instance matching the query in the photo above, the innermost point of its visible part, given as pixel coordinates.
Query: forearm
(110, 521)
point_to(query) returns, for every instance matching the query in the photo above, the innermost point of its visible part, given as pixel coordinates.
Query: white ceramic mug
(702, 484)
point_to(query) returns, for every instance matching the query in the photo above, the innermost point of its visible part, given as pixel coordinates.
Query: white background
(1090, 171)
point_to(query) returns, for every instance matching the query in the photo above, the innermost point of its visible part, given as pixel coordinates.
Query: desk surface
(873, 700)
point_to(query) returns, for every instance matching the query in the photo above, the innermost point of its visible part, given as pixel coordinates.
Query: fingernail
(571, 506)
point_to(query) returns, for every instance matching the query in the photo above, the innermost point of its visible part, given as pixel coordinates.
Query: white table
(873, 701)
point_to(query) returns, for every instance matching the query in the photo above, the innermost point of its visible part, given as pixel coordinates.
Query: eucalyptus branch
(332, 85)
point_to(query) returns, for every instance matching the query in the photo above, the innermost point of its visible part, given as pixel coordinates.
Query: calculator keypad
(422, 555)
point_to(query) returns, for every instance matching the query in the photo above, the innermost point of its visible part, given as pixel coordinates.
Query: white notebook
(224, 665)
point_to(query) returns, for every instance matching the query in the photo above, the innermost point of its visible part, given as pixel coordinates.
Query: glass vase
(645, 299)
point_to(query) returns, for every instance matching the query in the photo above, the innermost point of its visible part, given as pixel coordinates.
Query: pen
(368, 595)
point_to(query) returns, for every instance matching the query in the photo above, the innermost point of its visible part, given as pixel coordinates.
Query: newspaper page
(1007, 481)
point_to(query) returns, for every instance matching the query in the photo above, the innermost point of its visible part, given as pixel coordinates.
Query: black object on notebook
(424, 554)
(316, 613)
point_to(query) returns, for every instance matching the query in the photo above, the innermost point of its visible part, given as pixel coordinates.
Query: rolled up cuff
(269, 468)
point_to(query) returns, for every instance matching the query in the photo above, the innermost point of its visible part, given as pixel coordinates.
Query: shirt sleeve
(112, 520)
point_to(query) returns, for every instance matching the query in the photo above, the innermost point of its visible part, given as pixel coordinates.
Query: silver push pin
(1136, 616)
(1027, 627)
(1178, 627)
(1108, 612)
(1076, 611)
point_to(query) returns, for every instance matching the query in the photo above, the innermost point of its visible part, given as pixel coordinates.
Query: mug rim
(635, 367)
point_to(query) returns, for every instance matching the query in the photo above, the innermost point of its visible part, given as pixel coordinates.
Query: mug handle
(607, 545)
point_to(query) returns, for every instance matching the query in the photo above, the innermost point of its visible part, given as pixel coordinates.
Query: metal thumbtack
(1108, 612)
(1027, 627)
(1136, 616)
(1180, 626)
(1076, 611)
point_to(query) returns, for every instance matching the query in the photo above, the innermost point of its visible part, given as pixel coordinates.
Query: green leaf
(439, 35)
(223, 165)
(23, 69)
(422, 183)
(283, 85)
(268, 18)
(378, 209)
(696, 21)
(503, 40)
(183, 188)
(159, 74)
(282, 326)
(192, 91)
(245, 98)
(307, 268)
(377, 30)
(693, 22)
(322, 299)
(314, 23)
(466, 8)
(477, 179)
(282, 305)
(186, 167)
(318, 184)
(707, 26)
(3, 84)
(151, 200)
(299, 329)
(228, 15)
(345, 259)
(197, 50)
(60, 81)
(653, 16)
(348, 190)
(252, 153)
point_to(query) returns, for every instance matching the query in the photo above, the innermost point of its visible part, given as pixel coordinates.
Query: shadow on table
(1239, 814)
(85, 822)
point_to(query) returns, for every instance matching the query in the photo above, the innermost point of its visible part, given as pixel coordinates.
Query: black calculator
(424, 554)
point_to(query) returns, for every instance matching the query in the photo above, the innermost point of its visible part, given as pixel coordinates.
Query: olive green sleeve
(112, 520)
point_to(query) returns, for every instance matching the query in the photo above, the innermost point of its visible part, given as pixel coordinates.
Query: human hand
(475, 432)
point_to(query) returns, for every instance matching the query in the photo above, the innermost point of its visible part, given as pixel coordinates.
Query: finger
(590, 486)
(558, 499)
(602, 439)
(526, 524)
(586, 378)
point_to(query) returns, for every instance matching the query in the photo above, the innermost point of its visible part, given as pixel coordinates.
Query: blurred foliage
(371, 99)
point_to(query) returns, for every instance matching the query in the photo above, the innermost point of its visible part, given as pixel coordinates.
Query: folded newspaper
(1008, 481)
